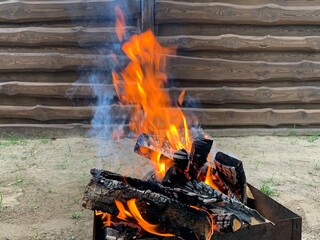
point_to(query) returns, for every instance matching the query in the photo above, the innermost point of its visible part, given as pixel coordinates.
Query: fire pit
(193, 192)
(287, 225)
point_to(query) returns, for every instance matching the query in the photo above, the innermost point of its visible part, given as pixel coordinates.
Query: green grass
(37, 233)
(317, 167)
(268, 188)
(313, 138)
(76, 215)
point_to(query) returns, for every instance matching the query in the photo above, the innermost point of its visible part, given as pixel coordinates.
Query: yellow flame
(151, 228)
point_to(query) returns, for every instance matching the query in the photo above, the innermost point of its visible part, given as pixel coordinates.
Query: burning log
(157, 213)
(171, 208)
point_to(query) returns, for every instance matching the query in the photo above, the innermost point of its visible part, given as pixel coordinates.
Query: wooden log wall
(48, 53)
(247, 64)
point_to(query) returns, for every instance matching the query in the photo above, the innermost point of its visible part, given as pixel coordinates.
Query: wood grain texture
(76, 36)
(57, 90)
(253, 2)
(251, 95)
(256, 117)
(233, 42)
(232, 70)
(29, 62)
(33, 101)
(147, 15)
(55, 77)
(224, 13)
(45, 113)
(42, 11)
(207, 29)
(204, 95)
(207, 117)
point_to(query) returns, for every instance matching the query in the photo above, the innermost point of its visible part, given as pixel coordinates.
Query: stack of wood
(180, 205)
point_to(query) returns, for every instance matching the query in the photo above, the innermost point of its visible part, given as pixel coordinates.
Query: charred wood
(227, 214)
(232, 173)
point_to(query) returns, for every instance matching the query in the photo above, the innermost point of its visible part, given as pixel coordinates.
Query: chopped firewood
(232, 173)
(165, 215)
(226, 214)
(149, 146)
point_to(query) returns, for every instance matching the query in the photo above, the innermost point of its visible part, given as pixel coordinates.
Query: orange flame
(151, 228)
(105, 217)
(141, 83)
(123, 213)
(209, 180)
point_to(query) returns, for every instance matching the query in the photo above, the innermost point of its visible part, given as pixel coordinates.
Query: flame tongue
(141, 84)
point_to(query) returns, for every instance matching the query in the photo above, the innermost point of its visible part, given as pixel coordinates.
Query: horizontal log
(252, 95)
(256, 117)
(234, 42)
(58, 90)
(55, 77)
(228, 70)
(218, 95)
(207, 117)
(254, 2)
(207, 29)
(78, 36)
(263, 55)
(224, 13)
(48, 101)
(42, 11)
(46, 113)
(27, 62)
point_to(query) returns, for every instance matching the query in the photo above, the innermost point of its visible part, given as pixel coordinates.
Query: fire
(160, 167)
(123, 213)
(105, 217)
(141, 83)
(209, 180)
(151, 228)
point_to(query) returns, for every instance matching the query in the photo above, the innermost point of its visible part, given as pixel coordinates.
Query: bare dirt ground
(42, 180)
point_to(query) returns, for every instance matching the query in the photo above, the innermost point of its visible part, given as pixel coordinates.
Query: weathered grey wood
(224, 13)
(45, 113)
(58, 90)
(232, 70)
(28, 62)
(256, 117)
(255, 2)
(207, 29)
(48, 101)
(147, 15)
(55, 77)
(32, 11)
(263, 55)
(211, 95)
(207, 117)
(243, 43)
(78, 36)
(251, 95)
